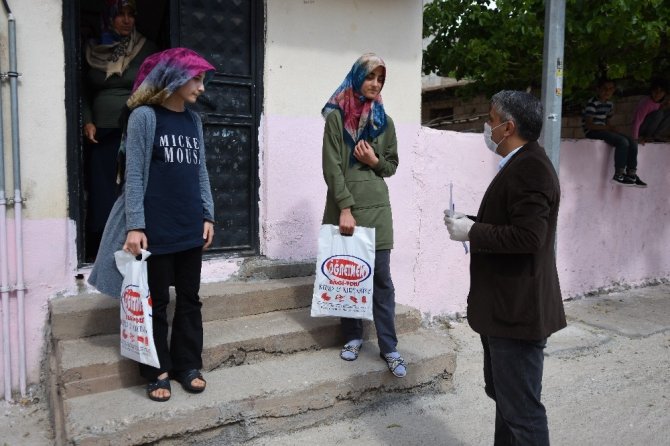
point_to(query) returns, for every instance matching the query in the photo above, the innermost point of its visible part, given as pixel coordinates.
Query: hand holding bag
(137, 334)
(344, 273)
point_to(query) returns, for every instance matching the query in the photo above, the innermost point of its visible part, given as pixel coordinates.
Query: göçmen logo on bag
(344, 269)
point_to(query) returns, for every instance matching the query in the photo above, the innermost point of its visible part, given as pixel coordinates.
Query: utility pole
(552, 78)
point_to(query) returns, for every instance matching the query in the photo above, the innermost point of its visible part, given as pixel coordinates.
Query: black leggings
(181, 269)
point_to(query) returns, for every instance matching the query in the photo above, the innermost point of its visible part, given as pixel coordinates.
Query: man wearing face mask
(515, 300)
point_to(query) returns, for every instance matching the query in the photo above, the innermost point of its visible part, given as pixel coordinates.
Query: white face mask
(488, 139)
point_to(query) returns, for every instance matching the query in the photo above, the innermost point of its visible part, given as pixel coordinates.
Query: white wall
(48, 235)
(41, 96)
(310, 47)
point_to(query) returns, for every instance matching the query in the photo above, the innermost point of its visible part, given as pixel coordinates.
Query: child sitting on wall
(652, 115)
(595, 117)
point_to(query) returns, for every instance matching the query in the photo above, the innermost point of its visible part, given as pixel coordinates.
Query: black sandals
(186, 377)
(159, 384)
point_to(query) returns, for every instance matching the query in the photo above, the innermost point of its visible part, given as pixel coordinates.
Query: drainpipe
(12, 74)
(4, 272)
(18, 200)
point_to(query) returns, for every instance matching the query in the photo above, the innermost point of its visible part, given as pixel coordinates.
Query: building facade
(277, 63)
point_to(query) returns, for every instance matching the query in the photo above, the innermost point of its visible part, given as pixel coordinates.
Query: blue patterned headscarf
(361, 117)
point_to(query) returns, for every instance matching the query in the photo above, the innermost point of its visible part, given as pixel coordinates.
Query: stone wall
(449, 112)
(469, 115)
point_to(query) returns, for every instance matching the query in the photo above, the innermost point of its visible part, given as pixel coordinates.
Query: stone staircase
(269, 367)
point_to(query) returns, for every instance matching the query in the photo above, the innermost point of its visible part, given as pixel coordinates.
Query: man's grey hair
(522, 108)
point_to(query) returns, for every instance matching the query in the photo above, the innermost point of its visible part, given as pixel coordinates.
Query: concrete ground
(606, 382)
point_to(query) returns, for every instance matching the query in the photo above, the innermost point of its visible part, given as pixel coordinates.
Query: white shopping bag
(137, 334)
(344, 272)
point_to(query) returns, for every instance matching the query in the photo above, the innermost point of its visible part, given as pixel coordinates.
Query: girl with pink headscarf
(166, 208)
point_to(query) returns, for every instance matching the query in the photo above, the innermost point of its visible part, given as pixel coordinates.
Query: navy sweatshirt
(172, 202)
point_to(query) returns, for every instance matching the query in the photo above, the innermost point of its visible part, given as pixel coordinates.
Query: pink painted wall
(49, 268)
(292, 191)
(608, 236)
(293, 194)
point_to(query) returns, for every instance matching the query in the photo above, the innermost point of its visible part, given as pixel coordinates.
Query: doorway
(229, 34)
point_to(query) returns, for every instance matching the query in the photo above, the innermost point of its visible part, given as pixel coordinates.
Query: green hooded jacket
(358, 186)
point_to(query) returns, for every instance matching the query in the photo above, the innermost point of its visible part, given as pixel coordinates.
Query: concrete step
(94, 364)
(80, 316)
(263, 268)
(279, 394)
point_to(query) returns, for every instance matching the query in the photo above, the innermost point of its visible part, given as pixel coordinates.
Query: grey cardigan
(128, 210)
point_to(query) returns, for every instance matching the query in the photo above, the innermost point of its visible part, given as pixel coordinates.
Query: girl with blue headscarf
(360, 150)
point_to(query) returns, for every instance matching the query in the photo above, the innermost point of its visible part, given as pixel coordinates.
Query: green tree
(499, 44)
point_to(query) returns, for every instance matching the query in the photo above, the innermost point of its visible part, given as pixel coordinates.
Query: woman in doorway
(359, 151)
(112, 64)
(165, 207)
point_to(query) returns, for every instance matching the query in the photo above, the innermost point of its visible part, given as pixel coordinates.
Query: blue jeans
(625, 148)
(383, 307)
(513, 379)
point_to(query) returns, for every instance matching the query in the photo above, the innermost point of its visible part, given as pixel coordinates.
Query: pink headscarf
(161, 74)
